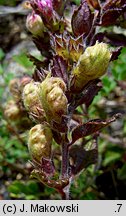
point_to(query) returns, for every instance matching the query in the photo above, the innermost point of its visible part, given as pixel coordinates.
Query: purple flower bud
(35, 24)
(43, 6)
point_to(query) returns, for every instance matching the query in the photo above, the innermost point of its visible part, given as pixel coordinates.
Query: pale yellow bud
(92, 64)
(53, 98)
(35, 24)
(14, 87)
(12, 111)
(32, 101)
(39, 142)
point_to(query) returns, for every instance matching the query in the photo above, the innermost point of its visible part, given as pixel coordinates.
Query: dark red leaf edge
(83, 158)
(91, 127)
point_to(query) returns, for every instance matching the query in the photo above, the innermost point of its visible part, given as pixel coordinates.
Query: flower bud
(53, 98)
(14, 87)
(92, 64)
(24, 81)
(39, 142)
(43, 6)
(35, 24)
(32, 101)
(16, 116)
(12, 111)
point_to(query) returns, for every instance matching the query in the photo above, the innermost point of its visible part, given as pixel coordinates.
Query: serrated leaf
(116, 39)
(111, 11)
(91, 127)
(87, 95)
(110, 16)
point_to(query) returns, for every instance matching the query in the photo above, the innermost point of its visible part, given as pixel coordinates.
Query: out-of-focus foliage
(119, 67)
(9, 2)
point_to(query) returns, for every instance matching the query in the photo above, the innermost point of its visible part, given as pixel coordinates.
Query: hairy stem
(65, 164)
(64, 160)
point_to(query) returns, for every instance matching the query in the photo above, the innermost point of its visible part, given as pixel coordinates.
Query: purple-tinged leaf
(91, 127)
(60, 68)
(111, 38)
(47, 166)
(87, 95)
(82, 158)
(112, 11)
(57, 137)
(116, 53)
(58, 6)
(43, 45)
(97, 37)
(42, 177)
(82, 19)
(111, 4)
(110, 16)
(62, 127)
(115, 39)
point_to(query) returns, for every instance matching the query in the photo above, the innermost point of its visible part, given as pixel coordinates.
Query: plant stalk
(65, 165)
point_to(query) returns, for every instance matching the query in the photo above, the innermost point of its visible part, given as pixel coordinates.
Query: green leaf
(1, 69)
(16, 187)
(108, 84)
(111, 157)
(122, 173)
(23, 60)
(8, 77)
(1, 92)
(77, 1)
(118, 66)
(33, 187)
